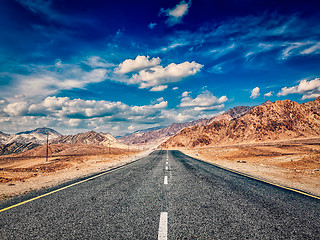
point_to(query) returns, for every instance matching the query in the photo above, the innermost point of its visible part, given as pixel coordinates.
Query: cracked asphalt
(202, 201)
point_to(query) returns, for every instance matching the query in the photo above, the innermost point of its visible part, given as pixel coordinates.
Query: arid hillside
(161, 134)
(158, 135)
(16, 147)
(65, 149)
(23, 141)
(36, 136)
(91, 138)
(268, 122)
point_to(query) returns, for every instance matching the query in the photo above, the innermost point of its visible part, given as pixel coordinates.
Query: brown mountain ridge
(268, 122)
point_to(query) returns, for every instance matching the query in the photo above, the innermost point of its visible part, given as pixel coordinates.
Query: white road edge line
(165, 180)
(163, 226)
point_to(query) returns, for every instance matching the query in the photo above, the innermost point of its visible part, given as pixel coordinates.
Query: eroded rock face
(272, 121)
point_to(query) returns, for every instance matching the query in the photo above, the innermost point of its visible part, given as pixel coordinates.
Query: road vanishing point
(166, 195)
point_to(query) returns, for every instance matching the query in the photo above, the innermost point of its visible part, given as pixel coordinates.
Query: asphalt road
(166, 195)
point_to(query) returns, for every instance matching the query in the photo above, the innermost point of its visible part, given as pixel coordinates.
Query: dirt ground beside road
(23, 173)
(294, 163)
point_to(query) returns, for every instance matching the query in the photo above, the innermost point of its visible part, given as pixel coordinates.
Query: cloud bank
(151, 75)
(308, 89)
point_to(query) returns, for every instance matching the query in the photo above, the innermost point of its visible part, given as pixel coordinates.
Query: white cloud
(308, 89)
(64, 107)
(185, 93)
(175, 88)
(219, 52)
(217, 107)
(260, 48)
(36, 6)
(152, 25)
(159, 75)
(174, 45)
(75, 122)
(292, 49)
(189, 114)
(269, 94)
(17, 108)
(131, 127)
(159, 88)
(217, 69)
(204, 101)
(44, 80)
(310, 96)
(140, 63)
(312, 50)
(255, 93)
(176, 14)
(162, 104)
(96, 61)
(58, 63)
(173, 116)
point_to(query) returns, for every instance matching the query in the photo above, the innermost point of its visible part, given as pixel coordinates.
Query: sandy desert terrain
(292, 163)
(25, 172)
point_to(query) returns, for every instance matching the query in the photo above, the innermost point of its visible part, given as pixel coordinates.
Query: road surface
(166, 195)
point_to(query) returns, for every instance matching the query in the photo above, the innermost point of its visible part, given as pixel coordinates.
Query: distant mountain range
(23, 141)
(92, 138)
(158, 135)
(268, 122)
(38, 136)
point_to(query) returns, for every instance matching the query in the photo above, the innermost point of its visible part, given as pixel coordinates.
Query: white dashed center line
(163, 226)
(166, 168)
(165, 180)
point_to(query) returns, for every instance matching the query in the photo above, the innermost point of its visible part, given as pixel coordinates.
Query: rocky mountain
(92, 138)
(266, 103)
(158, 135)
(267, 122)
(38, 136)
(232, 113)
(4, 137)
(23, 141)
(16, 147)
(154, 136)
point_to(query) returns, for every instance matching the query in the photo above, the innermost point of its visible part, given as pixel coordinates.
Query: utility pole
(109, 145)
(47, 146)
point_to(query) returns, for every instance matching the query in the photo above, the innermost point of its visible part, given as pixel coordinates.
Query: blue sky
(120, 66)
